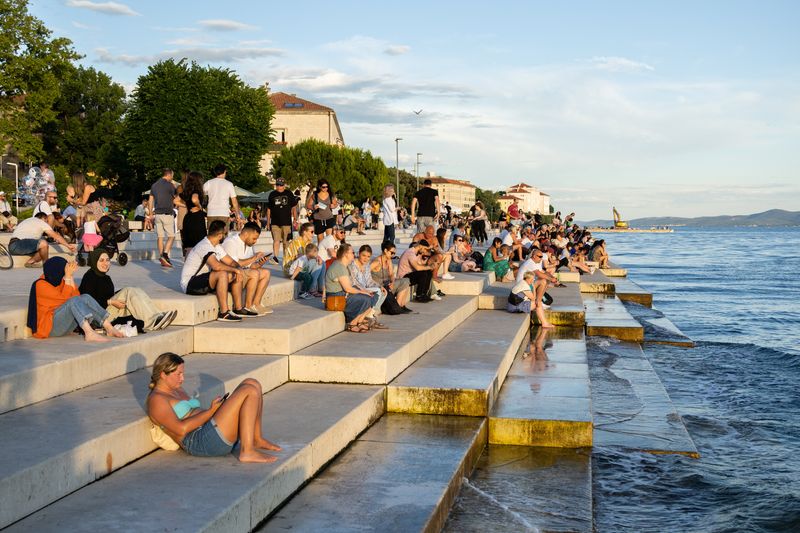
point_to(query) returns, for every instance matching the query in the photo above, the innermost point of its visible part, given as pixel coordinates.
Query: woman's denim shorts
(207, 441)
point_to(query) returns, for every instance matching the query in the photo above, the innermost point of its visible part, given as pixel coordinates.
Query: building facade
(460, 194)
(297, 120)
(531, 199)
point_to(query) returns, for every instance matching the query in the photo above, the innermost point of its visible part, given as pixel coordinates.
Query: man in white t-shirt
(329, 245)
(221, 195)
(239, 247)
(27, 240)
(534, 263)
(208, 268)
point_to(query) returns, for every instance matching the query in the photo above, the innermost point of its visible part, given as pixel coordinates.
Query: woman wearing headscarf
(125, 305)
(56, 308)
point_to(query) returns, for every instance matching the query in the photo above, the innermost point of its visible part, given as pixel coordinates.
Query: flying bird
(417, 112)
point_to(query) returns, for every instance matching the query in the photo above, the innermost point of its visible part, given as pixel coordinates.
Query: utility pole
(397, 165)
(416, 171)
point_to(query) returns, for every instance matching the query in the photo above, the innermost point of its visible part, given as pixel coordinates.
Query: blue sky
(678, 108)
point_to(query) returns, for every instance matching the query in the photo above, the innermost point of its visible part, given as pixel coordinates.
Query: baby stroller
(114, 230)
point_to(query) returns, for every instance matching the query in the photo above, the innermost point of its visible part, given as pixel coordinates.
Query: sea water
(736, 292)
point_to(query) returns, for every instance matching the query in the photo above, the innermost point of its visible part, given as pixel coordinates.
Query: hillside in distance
(773, 217)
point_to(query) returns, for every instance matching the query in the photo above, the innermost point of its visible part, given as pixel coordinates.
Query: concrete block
(466, 283)
(463, 373)
(382, 483)
(614, 271)
(170, 491)
(607, 316)
(379, 356)
(291, 327)
(102, 428)
(597, 283)
(628, 291)
(37, 369)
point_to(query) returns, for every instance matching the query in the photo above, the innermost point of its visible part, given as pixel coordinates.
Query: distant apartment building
(297, 120)
(459, 194)
(531, 199)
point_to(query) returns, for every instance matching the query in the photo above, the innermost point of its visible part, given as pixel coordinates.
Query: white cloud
(225, 25)
(109, 8)
(200, 54)
(619, 64)
(188, 41)
(397, 49)
(80, 25)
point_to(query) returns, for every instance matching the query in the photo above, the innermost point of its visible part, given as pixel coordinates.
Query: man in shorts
(208, 268)
(239, 247)
(27, 240)
(281, 216)
(162, 204)
(425, 206)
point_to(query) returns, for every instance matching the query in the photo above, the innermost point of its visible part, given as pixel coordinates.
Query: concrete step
(520, 488)
(102, 428)
(291, 327)
(545, 400)
(658, 329)
(614, 271)
(632, 409)
(628, 291)
(566, 309)
(597, 283)
(33, 370)
(170, 491)
(401, 475)
(463, 373)
(466, 283)
(378, 356)
(607, 316)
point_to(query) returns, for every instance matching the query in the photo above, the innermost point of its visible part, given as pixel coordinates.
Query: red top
(513, 211)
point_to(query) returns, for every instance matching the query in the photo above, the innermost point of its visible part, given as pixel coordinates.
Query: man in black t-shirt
(427, 199)
(281, 215)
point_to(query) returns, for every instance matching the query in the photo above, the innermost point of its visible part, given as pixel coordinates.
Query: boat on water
(622, 226)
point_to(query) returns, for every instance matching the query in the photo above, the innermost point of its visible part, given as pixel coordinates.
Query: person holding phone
(231, 424)
(239, 247)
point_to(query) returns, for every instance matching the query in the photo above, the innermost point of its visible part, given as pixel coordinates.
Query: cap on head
(280, 182)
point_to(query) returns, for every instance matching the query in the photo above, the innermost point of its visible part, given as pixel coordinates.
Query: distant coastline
(771, 218)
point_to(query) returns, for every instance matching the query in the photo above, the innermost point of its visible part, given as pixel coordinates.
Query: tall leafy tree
(183, 115)
(353, 173)
(32, 63)
(489, 200)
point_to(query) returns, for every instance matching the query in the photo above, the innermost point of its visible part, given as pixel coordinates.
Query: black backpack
(390, 305)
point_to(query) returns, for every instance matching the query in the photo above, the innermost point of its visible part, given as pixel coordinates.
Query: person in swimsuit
(231, 425)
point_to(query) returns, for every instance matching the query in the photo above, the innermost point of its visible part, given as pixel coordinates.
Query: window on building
(292, 104)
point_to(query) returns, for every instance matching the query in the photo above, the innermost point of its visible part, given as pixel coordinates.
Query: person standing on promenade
(389, 211)
(162, 205)
(321, 204)
(281, 216)
(425, 206)
(221, 195)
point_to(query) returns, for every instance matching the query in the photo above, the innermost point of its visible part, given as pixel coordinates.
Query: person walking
(281, 216)
(221, 196)
(162, 205)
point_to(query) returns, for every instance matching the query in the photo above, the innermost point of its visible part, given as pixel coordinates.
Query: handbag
(335, 303)
(515, 299)
(163, 440)
(390, 305)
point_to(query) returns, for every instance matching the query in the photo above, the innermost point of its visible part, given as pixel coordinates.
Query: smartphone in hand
(224, 397)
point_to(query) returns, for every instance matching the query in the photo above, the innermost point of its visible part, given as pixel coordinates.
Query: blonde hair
(167, 363)
(528, 274)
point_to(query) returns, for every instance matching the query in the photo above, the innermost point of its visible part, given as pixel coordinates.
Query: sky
(661, 109)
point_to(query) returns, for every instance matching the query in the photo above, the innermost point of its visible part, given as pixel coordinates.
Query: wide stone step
(566, 310)
(614, 271)
(632, 407)
(628, 291)
(520, 488)
(607, 316)
(102, 428)
(463, 373)
(545, 400)
(597, 283)
(466, 283)
(33, 370)
(378, 356)
(171, 491)
(401, 475)
(291, 327)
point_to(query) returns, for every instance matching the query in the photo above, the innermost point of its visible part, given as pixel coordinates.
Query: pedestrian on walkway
(281, 217)
(162, 205)
(221, 196)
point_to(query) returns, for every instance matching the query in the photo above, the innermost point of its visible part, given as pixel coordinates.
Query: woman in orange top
(55, 307)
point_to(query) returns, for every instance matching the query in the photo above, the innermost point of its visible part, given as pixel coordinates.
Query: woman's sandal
(356, 328)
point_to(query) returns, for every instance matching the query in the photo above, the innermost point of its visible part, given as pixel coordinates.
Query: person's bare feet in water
(264, 444)
(548, 325)
(256, 457)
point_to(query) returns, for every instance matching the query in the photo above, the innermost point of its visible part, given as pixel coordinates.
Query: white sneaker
(436, 297)
(545, 306)
(448, 275)
(304, 295)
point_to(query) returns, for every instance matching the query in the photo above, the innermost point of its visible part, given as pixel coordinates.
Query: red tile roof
(509, 197)
(451, 182)
(280, 101)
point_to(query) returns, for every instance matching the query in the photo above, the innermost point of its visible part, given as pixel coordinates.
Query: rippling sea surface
(736, 292)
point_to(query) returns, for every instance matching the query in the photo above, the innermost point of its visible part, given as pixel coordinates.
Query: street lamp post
(397, 165)
(416, 169)
(16, 183)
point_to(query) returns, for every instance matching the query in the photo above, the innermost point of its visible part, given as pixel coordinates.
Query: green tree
(187, 116)
(489, 200)
(89, 122)
(31, 65)
(353, 173)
